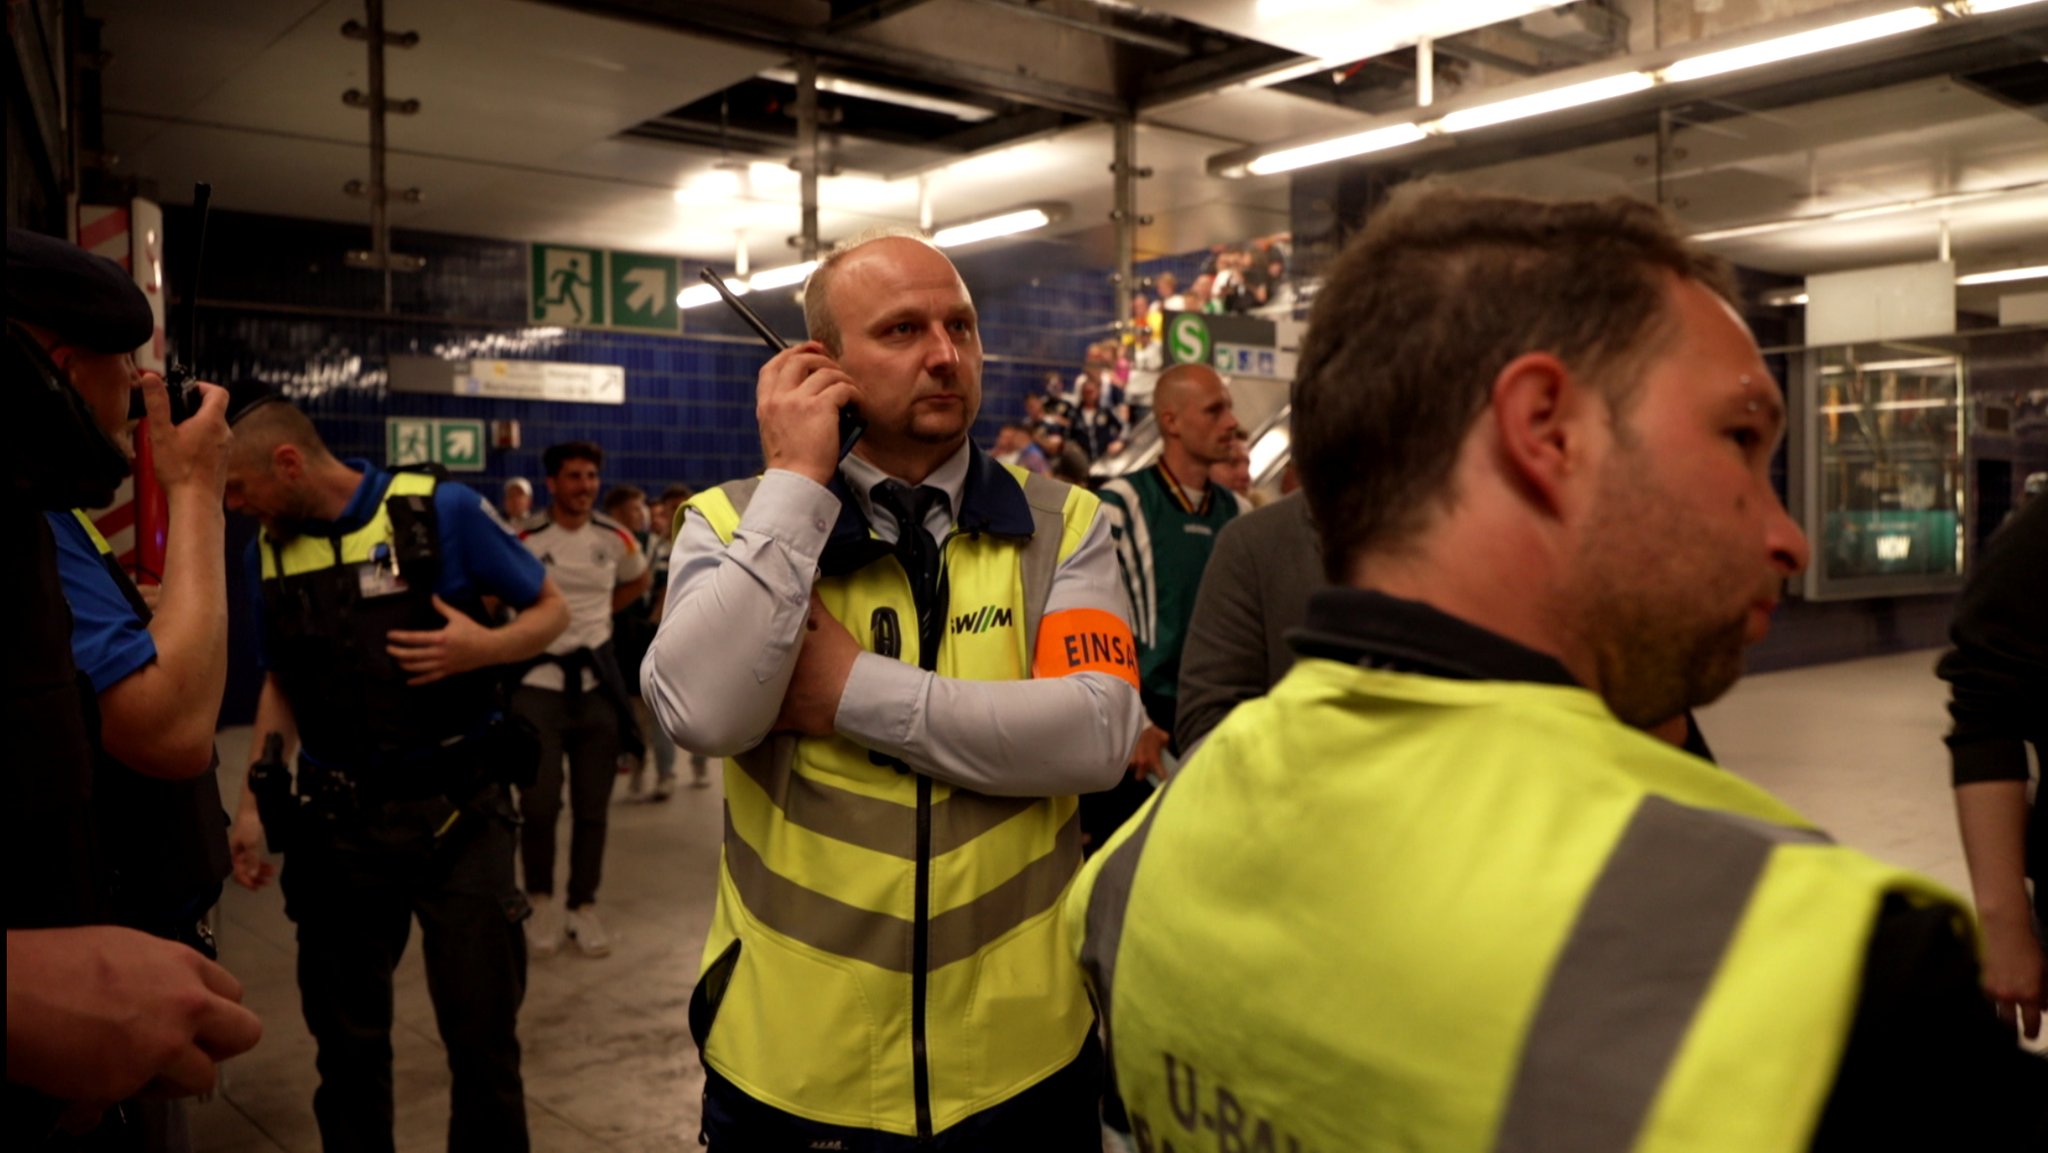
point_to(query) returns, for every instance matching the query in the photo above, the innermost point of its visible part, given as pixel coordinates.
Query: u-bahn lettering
(1209, 1116)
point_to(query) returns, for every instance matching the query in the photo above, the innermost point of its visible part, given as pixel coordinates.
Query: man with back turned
(1434, 891)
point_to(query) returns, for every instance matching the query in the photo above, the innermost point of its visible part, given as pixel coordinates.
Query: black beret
(86, 300)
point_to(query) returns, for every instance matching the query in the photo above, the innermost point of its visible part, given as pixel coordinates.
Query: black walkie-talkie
(178, 381)
(851, 422)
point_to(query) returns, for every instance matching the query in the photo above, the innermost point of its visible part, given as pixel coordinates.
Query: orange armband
(1085, 640)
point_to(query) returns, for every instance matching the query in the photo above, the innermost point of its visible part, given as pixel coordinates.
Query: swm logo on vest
(988, 617)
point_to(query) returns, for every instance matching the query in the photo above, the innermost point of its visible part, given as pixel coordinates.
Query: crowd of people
(1054, 813)
(1068, 427)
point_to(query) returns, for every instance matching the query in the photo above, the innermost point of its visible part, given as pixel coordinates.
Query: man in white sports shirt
(574, 698)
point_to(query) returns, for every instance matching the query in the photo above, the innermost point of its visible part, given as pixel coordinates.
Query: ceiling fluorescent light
(719, 184)
(1801, 44)
(1882, 406)
(2035, 272)
(1357, 144)
(2003, 275)
(780, 277)
(883, 94)
(1284, 73)
(1008, 224)
(1945, 200)
(1980, 7)
(698, 295)
(1947, 362)
(1538, 103)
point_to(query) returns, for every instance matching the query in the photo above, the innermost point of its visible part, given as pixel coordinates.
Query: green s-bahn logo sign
(1187, 339)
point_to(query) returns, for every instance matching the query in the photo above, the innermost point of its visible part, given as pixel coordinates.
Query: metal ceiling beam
(1103, 28)
(854, 13)
(724, 24)
(1480, 56)
(1208, 73)
(1950, 47)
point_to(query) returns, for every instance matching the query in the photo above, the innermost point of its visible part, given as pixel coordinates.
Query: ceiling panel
(502, 81)
(524, 105)
(1252, 115)
(1345, 30)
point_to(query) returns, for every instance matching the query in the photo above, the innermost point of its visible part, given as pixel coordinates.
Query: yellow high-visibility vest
(329, 603)
(811, 971)
(1384, 911)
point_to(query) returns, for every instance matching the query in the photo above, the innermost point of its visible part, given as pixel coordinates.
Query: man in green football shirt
(1166, 518)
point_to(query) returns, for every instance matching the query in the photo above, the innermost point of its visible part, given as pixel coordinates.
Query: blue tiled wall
(284, 308)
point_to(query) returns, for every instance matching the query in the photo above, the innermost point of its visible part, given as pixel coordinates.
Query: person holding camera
(159, 673)
(97, 1011)
(372, 590)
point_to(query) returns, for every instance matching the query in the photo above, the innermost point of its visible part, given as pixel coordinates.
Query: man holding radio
(929, 657)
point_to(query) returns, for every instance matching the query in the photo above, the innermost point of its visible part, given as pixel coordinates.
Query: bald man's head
(1182, 383)
(1195, 413)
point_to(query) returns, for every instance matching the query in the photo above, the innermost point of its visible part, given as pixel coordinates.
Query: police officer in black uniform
(373, 590)
(94, 1011)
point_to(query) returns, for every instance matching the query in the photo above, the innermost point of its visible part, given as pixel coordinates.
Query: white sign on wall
(510, 379)
(1891, 303)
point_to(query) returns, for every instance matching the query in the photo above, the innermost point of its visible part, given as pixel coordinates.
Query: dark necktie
(919, 555)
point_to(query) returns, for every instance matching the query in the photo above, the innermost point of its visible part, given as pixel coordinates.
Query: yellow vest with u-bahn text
(1386, 911)
(851, 888)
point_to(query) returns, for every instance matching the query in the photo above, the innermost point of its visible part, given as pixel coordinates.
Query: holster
(271, 783)
(507, 752)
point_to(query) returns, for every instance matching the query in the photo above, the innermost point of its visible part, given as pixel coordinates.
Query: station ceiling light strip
(1719, 63)
(1791, 223)
(1357, 144)
(1801, 44)
(2000, 277)
(887, 94)
(1006, 224)
(1783, 298)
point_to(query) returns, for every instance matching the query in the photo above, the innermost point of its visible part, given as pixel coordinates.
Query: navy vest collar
(991, 501)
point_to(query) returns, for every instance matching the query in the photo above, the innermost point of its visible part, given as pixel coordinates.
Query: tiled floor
(609, 1062)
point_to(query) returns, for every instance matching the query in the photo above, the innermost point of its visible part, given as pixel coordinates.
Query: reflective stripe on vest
(304, 554)
(821, 849)
(1471, 915)
(115, 572)
(99, 543)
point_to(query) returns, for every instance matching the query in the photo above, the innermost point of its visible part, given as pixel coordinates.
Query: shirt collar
(1363, 627)
(982, 495)
(862, 476)
(362, 504)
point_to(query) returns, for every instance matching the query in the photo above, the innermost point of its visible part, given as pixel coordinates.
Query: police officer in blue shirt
(374, 589)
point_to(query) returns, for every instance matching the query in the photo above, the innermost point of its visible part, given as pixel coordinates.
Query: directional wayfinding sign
(643, 291)
(459, 445)
(456, 445)
(595, 288)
